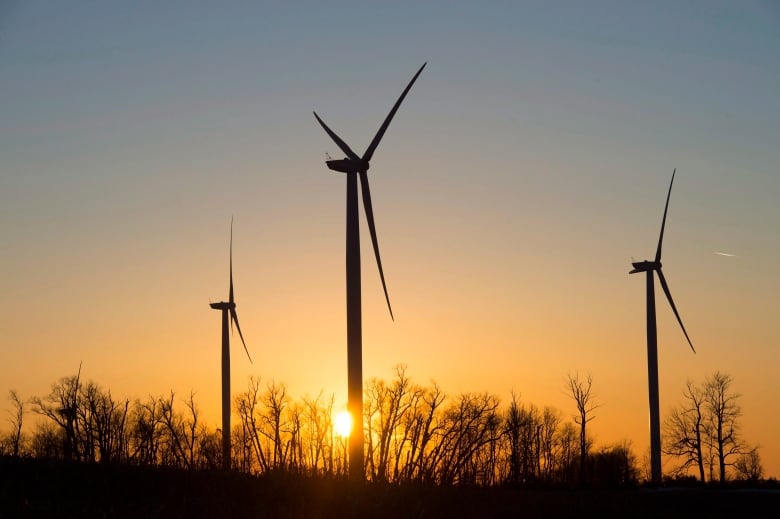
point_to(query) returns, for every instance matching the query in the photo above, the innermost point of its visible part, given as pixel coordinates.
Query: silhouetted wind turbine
(652, 343)
(229, 316)
(355, 166)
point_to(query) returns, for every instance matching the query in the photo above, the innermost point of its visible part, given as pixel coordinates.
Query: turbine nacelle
(347, 165)
(223, 305)
(644, 266)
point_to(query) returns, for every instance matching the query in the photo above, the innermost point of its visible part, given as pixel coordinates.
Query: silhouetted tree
(276, 401)
(471, 424)
(102, 424)
(209, 449)
(14, 442)
(705, 430)
(724, 413)
(615, 466)
(182, 433)
(422, 425)
(61, 406)
(580, 391)
(549, 443)
(512, 426)
(277, 433)
(748, 466)
(523, 427)
(146, 431)
(318, 433)
(248, 407)
(684, 431)
(385, 410)
(568, 453)
(48, 441)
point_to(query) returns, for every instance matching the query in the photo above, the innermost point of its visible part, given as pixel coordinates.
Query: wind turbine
(355, 166)
(229, 316)
(652, 343)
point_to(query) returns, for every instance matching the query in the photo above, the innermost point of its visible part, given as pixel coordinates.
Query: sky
(525, 171)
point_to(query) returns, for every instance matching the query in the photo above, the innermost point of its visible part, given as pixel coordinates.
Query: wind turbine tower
(354, 167)
(229, 317)
(651, 267)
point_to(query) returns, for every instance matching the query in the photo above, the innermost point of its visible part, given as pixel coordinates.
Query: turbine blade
(366, 193)
(382, 129)
(663, 222)
(674, 308)
(230, 297)
(341, 144)
(234, 317)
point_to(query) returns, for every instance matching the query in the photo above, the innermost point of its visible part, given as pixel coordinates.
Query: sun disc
(343, 424)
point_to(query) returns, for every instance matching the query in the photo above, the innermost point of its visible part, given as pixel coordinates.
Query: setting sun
(343, 424)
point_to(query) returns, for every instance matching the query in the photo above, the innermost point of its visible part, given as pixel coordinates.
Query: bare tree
(318, 433)
(248, 406)
(276, 401)
(615, 466)
(209, 449)
(567, 442)
(61, 406)
(182, 433)
(470, 424)
(512, 425)
(705, 430)
(174, 452)
(422, 426)
(580, 391)
(47, 441)
(15, 437)
(523, 427)
(533, 442)
(685, 431)
(748, 466)
(724, 413)
(103, 423)
(146, 430)
(386, 408)
(549, 442)
(294, 448)
(274, 429)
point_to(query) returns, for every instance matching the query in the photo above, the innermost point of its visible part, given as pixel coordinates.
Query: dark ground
(36, 488)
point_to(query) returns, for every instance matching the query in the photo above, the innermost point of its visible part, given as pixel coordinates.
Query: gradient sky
(526, 169)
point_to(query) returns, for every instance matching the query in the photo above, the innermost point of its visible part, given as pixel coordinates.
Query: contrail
(726, 254)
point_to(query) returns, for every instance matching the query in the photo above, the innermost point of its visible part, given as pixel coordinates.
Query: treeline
(413, 433)
(416, 433)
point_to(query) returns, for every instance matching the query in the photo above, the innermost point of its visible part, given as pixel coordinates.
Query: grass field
(36, 488)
